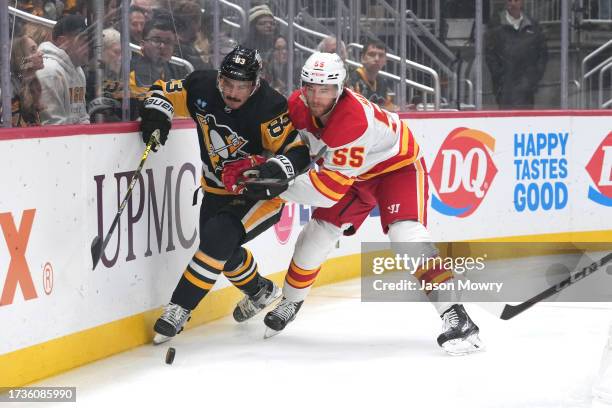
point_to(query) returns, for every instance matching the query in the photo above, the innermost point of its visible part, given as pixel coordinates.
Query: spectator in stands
(25, 61)
(31, 6)
(276, 66)
(157, 49)
(146, 6)
(330, 44)
(262, 29)
(62, 79)
(112, 14)
(38, 33)
(367, 81)
(516, 54)
(79, 7)
(106, 107)
(188, 17)
(137, 22)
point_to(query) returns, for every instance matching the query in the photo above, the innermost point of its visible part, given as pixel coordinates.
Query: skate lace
(285, 309)
(176, 315)
(451, 319)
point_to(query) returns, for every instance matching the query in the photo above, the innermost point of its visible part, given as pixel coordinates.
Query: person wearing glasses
(262, 29)
(157, 45)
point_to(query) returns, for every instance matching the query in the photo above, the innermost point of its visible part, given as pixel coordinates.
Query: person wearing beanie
(262, 29)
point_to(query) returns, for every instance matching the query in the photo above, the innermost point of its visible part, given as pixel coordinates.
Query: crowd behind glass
(57, 78)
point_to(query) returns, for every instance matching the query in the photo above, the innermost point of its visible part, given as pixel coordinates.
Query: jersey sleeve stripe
(408, 154)
(392, 167)
(262, 211)
(324, 189)
(296, 143)
(406, 139)
(421, 198)
(214, 190)
(337, 176)
(176, 94)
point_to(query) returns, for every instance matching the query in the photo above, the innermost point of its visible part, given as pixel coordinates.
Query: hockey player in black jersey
(241, 122)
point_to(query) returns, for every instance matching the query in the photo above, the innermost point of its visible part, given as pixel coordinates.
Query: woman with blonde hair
(25, 61)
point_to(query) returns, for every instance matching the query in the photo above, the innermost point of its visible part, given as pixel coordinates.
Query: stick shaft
(152, 141)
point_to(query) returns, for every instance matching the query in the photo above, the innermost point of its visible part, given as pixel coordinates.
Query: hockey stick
(281, 182)
(97, 245)
(509, 311)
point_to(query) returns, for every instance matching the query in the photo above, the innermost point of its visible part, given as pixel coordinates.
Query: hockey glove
(232, 172)
(157, 112)
(279, 168)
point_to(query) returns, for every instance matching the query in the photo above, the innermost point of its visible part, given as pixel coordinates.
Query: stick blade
(511, 311)
(96, 251)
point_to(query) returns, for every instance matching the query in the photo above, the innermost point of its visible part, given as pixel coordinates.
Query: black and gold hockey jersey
(260, 126)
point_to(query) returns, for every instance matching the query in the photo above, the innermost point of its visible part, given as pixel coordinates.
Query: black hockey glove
(156, 112)
(276, 168)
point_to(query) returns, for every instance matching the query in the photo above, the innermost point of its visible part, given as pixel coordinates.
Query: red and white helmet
(324, 68)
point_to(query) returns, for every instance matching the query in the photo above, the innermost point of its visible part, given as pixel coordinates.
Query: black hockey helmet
(242, 64)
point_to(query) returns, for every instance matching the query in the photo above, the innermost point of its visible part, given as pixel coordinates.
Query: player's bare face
(320, 98)
(235, 93)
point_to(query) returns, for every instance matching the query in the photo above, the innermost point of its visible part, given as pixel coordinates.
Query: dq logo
(462, 172)
(600, 170)
(283, 228)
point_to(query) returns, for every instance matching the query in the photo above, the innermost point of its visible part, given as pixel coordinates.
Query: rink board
(60, 183)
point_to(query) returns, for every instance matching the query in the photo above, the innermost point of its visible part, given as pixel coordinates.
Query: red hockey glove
(232, 172)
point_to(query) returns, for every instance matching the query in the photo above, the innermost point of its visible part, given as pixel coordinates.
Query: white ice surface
(341, 352)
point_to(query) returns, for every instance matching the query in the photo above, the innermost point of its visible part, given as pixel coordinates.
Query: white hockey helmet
(324, 68)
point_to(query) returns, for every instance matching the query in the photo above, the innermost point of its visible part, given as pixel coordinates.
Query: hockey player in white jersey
(372, 159)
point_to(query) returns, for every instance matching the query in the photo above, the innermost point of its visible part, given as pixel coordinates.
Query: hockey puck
(170, 355)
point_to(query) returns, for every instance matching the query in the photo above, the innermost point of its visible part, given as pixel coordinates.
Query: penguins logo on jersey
(221, 141)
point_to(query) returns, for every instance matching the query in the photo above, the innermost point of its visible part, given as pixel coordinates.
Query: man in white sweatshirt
(63, 79)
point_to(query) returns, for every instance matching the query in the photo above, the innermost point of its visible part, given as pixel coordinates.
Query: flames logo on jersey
(600, 170)
(462, 172)
(221, 141)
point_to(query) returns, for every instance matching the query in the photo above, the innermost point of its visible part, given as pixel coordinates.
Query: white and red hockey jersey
(363, 141)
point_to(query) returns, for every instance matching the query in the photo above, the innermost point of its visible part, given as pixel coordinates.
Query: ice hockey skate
(281, 316)
(170, 323)
(459, 333)
(249, 306)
